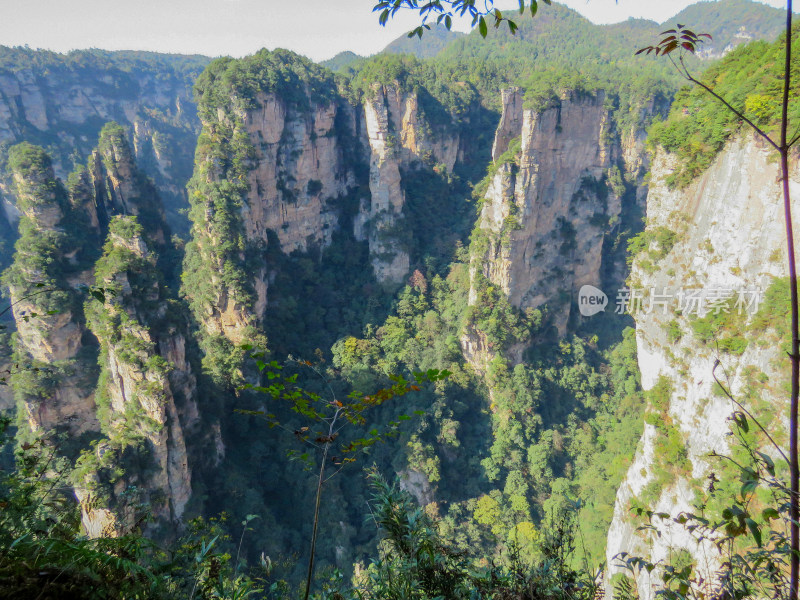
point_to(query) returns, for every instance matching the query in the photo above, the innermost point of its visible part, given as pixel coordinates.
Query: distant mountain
(341, 61)
(731, 22)
(561, 34)
(431, 43)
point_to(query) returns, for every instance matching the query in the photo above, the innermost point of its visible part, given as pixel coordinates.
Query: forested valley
(261, 312)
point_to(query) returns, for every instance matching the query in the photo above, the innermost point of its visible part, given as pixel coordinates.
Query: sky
(318, 29)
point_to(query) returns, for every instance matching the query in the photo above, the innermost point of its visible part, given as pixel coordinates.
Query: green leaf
(741, 421)
(769, 514)
(482, 27)
(534, 8)
(768, 463)
(755, 531)
(748, 486)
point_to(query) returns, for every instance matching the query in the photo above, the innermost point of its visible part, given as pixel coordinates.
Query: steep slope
(120, 428)
(61, 101)
(716, 247)
(269, 163)
(559, 35)
(54, 390)
(730, 23)
(709, 299)
(551, 206)
(282, 161)
(399, 139)
(145, 396)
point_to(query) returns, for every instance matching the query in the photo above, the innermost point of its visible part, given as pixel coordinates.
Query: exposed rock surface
(140, 354)
(298, 170)
(729, 235)
(138, 410)
(399, 137)
(48, 337)
(49, 99)
(547, 210)
(298, 158)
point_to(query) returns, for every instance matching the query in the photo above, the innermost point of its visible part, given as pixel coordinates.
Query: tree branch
(685, 72)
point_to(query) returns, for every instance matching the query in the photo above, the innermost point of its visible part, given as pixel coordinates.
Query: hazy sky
(317, 28)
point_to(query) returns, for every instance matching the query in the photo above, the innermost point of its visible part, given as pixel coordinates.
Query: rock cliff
(140, 350)
(269, 170)
(54, 392)
(278, 166)
(547, 208)
(399, 138)
(705, 261)
(122, 427)
(62, 101)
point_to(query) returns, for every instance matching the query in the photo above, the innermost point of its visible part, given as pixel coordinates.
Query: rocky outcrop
(138, 408)
(723, 238)
(547, 208)
(277, 164)
(399, 137)
(43, 94)
(510, 121)
(54, 394)
(144, 366)
(270, 169)
(298, 170)
(119, 188)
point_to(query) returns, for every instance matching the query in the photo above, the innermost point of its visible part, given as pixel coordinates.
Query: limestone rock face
(510, 121)
(119, 188)
(137, 412)
(728, 238)
(49, 333)
(546, 213)
(298, 169)
(289, 173)
(297, 160)
(70, 105)
(147, 378)
(398, 137)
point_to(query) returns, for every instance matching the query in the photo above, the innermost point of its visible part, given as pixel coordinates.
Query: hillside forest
(272, 328)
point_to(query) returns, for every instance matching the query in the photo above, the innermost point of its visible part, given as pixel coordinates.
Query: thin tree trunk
(794, 467)
(316, 521)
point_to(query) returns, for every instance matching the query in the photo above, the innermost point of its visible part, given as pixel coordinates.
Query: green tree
(327, 416)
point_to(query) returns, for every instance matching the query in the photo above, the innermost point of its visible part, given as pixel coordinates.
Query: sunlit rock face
(548, 208)
(398, 137)
(727, 234)
(148, 384)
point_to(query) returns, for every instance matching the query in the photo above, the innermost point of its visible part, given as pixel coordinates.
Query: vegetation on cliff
(512, 461)
(698, 126)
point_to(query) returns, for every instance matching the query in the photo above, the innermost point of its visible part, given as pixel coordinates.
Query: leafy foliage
(698, 125)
